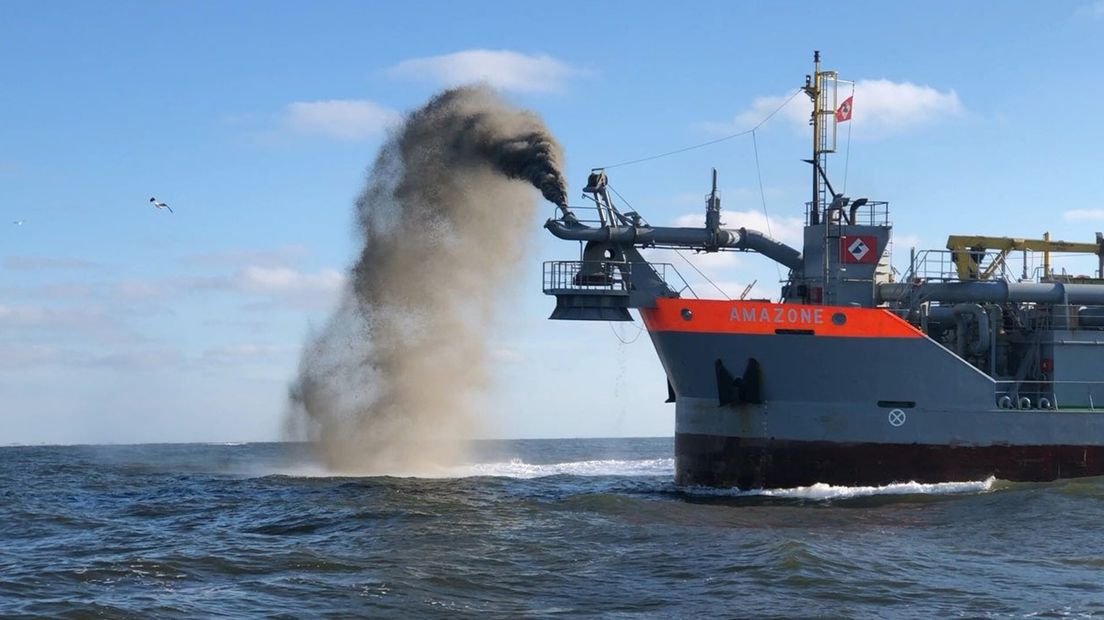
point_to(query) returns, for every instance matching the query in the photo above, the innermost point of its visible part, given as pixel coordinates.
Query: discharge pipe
(690, 238)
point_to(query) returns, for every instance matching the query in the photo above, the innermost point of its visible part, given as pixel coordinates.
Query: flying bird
(160, 205)
(18, 222)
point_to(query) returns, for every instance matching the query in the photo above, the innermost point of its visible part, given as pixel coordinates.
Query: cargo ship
(962, 366)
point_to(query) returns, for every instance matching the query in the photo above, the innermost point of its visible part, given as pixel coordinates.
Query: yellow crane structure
(967, 252)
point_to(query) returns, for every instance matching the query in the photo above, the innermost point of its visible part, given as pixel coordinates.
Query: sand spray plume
(389, 382)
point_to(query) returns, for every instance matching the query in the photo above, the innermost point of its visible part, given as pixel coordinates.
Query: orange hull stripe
(756, 317)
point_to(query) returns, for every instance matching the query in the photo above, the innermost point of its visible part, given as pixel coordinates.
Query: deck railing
(873, 213)
(1047, 395)
(605, 277)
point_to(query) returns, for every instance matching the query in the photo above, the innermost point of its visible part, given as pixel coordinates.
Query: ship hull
(712, 460)
(865, 399)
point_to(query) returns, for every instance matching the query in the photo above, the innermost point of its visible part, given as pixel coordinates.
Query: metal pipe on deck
(690, 238)
(774, 250)
(994, 292)
(981, 319)
(996, 322)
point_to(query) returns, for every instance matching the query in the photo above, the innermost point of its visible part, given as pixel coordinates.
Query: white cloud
(24, 316)
(796, 111)
(881, 108)
(259, 279)
(1094, 10)
(505, 355)
(134, 290)
(503, 69)
(245, 352)
(50, 291)
(1083, 215)
(733, 271)
(133, 359)
(276, 257)
(289, 288)
(10, 167)
(344, 119)
(733, 288)
(93, 321)
(732, 195)
(785, 229)
(38, 316)
(38, 263)
(17, 356)
(281, 287)
(285, 281)
(709, 263)
(904, 242)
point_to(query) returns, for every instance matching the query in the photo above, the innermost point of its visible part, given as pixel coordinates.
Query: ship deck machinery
(854, 378)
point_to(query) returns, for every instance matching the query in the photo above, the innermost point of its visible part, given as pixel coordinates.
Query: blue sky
(257, 121)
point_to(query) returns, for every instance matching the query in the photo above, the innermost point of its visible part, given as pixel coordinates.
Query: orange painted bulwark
(758, 317)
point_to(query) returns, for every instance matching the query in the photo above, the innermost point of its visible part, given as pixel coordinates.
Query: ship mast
(821, 87)
(812, 88)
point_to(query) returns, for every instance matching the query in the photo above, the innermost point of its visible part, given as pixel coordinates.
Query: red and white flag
(843, 113)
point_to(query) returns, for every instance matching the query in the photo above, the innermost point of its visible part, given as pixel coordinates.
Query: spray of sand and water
(389, 382)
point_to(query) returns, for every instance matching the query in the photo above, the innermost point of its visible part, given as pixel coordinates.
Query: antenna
(713, 207)
(747, 289)
(812, 88)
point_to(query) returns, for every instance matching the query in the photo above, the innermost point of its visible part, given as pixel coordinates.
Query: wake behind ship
(963, 367)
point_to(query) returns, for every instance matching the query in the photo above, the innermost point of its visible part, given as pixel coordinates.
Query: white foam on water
(516, 468)
(661, 467)
(822, 492)
(302, 470)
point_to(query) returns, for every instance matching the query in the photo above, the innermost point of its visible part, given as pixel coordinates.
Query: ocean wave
(822, 492)
(657, 467)
(516, 468)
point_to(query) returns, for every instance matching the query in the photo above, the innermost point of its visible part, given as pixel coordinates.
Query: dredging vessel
(961, 368)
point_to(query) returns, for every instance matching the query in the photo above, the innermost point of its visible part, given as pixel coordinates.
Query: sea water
(534, 528)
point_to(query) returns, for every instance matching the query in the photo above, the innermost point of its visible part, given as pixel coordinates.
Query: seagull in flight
(160, 205)
(18, 222)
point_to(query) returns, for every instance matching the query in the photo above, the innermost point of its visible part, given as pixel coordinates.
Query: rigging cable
(763, 197)
(639, 329)
(758, 170)
(623, 199)
(704, 144)
(694, 267)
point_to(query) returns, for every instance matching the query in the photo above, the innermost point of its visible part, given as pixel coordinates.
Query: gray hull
(867, 403)
(757, 446)
(712, 460)
(962, 366)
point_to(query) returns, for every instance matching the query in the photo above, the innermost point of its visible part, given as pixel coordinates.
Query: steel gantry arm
(967, 251)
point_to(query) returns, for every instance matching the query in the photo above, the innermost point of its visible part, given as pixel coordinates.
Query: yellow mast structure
(967, 251)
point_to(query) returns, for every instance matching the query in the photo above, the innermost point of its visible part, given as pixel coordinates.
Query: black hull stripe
(711, 460)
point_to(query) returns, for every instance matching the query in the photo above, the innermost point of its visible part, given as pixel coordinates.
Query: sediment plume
(388, 384)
